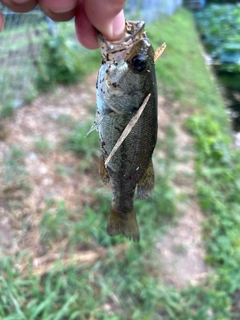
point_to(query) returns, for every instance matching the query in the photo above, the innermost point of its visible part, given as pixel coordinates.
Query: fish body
(125, 78)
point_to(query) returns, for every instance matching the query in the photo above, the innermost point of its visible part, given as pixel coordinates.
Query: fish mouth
(118, 50)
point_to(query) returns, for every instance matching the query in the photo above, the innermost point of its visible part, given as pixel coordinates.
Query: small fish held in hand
(127, 123)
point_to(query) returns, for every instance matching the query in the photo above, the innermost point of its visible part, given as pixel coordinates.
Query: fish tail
(123, 224)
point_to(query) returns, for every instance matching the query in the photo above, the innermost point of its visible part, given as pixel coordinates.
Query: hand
(104, 15)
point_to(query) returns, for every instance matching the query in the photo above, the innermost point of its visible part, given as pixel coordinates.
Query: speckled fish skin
(126, 77)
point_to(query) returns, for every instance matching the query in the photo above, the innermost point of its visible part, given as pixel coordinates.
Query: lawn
(57, 262)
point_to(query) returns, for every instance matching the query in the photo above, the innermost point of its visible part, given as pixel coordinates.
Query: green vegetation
(14, 173)
(61, 62)
(19, 48)
(181, 70)
(217, 167)
(118, 285)
(32, 62)
(85, 146)
(122, 281)
(220, 27)
(7, 110)
(54, 224)
(43, 146)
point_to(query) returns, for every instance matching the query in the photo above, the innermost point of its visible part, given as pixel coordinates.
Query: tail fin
(126, 225)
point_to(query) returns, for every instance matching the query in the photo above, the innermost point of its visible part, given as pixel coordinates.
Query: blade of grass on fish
(159, 52)
(128, 129)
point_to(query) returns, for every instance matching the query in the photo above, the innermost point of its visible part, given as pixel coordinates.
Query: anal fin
(146, 184)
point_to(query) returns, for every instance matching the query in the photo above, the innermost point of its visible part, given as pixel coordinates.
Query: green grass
(43, 146)
(181, 69)
(121, 282)
(185, 78)
(13, 171)
(83, 144)
(81, 292)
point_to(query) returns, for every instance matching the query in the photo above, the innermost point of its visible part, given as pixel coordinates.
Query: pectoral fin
(97, 122)
(146, 185)
(103, 171)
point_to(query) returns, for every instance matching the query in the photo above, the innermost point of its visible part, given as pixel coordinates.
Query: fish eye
(139, 62)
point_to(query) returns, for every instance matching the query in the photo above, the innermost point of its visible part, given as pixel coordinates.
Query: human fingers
(91, 15)
(106, 16)
(85, 31)
(59, 10)
(1, 21)
(20, 5)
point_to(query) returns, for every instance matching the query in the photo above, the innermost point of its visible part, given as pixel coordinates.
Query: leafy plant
(219, 26)
(59, 62)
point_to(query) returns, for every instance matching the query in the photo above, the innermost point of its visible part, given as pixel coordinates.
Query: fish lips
(133, 42)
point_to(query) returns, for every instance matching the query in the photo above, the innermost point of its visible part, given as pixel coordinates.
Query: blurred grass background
(111, 278)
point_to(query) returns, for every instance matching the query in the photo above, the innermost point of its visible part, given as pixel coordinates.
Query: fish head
(125, 76)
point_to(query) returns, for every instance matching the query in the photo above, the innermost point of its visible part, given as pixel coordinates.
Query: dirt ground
(180, 250)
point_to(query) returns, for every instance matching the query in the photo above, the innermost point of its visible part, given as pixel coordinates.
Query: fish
(127, 110)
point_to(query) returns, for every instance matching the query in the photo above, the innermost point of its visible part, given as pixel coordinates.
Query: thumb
(107, 17)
